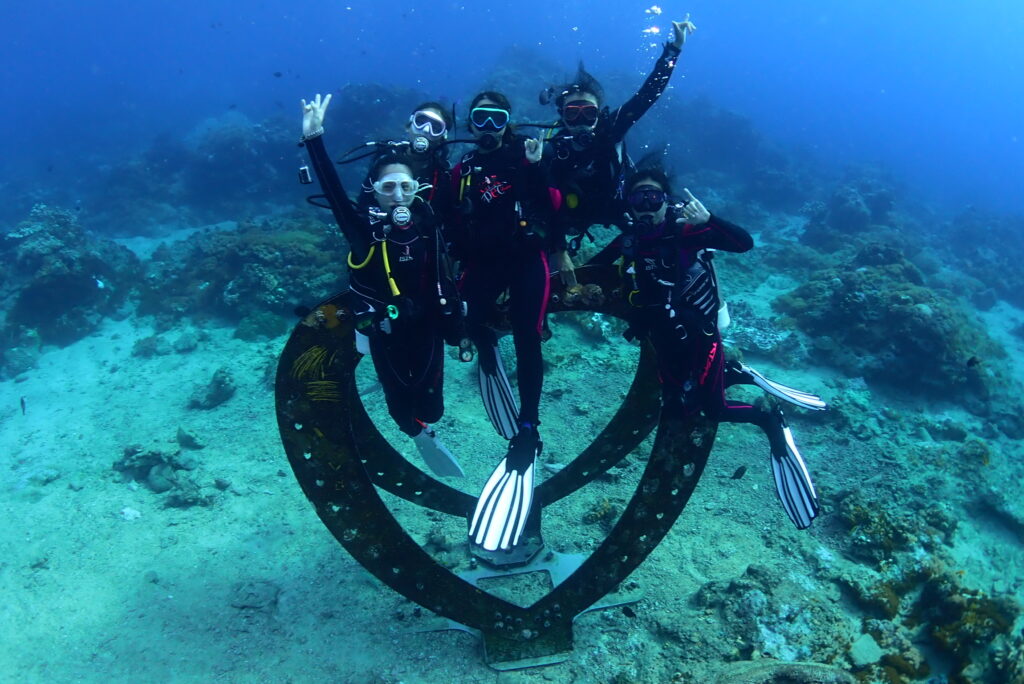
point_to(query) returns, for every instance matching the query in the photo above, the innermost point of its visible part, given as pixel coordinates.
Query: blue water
(932, 90)
(100, 104)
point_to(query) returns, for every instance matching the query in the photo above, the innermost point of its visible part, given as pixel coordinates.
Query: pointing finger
(689, 195)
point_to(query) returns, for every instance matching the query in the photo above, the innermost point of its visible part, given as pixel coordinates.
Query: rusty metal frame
(339, 459)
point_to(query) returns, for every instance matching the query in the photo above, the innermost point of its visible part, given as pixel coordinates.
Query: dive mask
(428, 123)
(489, 118)
(580, 112)
(646, 198)
(398, 186)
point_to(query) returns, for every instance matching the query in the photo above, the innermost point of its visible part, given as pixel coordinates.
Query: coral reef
(62, 280)
(964, 623)
(873, 317)
(863, 203)
(911, 595)
(262, 267)
(769, 618)
(990, 249)
(228, 166)
(752, 333)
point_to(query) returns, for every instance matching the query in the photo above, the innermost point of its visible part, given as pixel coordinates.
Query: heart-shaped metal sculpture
(339, 458)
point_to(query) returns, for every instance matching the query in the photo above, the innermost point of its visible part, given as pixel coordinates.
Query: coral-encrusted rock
(990, 248)
(847, 211)
(874, 319)
(963, 623)
(220, 389)
(63, 280)
(265, 267)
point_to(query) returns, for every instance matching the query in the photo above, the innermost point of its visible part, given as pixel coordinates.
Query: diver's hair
(445, 112)
(500, 100)
(651, 167)
(494, 96)
(583, 82)
(387, 159)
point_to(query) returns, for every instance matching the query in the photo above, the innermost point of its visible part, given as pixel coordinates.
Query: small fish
(740, 472)
(278, 74)
(973, 361)
(628, 612)
(23, 406)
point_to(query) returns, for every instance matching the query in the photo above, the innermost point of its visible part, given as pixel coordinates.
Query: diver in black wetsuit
(405, 301)
(587, 153)
(672, 289)
(502, 237)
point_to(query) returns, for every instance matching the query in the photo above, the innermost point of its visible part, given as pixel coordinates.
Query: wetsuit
(501, 237)
(402, 315)
(672, 288)
(591, 179)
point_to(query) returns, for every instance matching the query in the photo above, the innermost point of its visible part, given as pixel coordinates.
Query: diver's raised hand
(694, 212)
(534, 149)
(313, 116)
(681, 29)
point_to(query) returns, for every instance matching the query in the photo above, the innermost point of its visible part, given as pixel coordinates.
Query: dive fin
(505, 501)
(794, 396)
(792, 481)
(436, 455)
(498, 397)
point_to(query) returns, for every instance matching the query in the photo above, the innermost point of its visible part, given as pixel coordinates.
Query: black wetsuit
(501, 238)
(672, 288)
(407, 329)
(591, 179)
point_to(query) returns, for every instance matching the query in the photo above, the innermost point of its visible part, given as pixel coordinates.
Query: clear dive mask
(428, 123)
(400, 188)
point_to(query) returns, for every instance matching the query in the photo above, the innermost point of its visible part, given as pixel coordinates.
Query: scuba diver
(501, 235)
(587, 152)
(426, 145)
(666, 251)
(405, 301)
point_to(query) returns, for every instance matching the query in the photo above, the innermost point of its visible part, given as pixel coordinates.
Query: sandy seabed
(103, 582)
